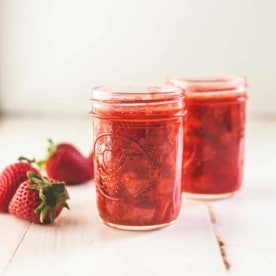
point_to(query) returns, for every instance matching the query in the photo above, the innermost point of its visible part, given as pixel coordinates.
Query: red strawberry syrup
(138, 144)
(213, 153)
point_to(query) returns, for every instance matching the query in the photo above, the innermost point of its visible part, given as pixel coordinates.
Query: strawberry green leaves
(50, 194)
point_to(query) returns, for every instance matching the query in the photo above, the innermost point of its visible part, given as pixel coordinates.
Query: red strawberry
(38, 199)
(66, 163)
(10, 178)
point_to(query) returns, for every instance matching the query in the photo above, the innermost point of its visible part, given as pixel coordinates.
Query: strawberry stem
(23, 158)
(51, 149)
(41, 164)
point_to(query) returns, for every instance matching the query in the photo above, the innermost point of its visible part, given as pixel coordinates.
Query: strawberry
(66, 163)
(39, 199)
(10, 178)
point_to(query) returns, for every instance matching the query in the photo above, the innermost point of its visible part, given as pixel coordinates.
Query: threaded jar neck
(216, 87)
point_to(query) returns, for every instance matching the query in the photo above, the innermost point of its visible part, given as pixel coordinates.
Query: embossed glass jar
(138, 144)
(214, 136)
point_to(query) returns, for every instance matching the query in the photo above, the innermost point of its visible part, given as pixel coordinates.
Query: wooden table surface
(229, 237)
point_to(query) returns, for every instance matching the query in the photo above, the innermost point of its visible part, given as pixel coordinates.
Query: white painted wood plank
(247, 222)
(251, 261)
(247, 225)
(78, 243)
(28, 136)
(12, 232)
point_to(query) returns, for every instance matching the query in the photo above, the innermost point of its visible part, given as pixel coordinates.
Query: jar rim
(223, 85)
(136, 92)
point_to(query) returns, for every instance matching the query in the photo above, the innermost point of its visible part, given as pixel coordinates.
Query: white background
(53, 51)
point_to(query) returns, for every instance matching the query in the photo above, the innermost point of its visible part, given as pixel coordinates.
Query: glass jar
(213, 154)
(138, 144)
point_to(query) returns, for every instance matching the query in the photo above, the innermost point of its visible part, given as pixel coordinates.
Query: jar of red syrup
(138, 144)
(213, 153)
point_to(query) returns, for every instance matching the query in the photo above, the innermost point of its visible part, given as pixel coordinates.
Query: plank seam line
(16, 249)
(220, 242)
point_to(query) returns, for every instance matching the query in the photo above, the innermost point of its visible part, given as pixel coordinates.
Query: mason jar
(138, 145)
(213, 155)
